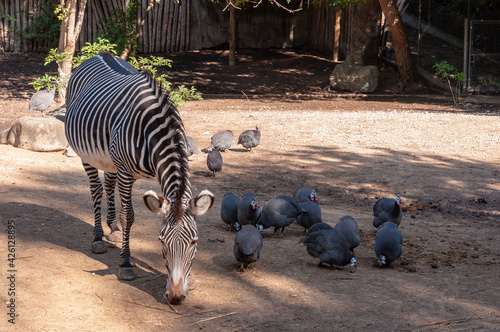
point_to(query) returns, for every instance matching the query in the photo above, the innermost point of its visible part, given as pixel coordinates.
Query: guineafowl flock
(222, 141)
(333, 246)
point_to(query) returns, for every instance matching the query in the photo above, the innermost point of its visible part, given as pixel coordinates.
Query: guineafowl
(247, 245)
(214, 160)
(248, 209)
(280, 212)
(192, 147)
(387, 209)
(310, 214)
(222, 140)
(250, 138)
(349, 228)
(329, 245)
(42, 100)
(388, 243)
(229, 210)
(305, 193)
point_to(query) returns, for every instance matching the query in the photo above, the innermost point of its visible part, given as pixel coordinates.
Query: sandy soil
(443, 161)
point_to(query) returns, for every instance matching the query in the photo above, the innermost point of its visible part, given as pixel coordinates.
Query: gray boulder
(353, 76)
(36, 134)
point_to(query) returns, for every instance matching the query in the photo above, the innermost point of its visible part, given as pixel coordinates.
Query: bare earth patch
(443, 161)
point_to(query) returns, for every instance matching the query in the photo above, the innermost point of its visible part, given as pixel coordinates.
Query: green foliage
(338, 3)
(45, 82)
(45, 26)
(120, 26)
(179, 95)
(447, 71)
(5, 16)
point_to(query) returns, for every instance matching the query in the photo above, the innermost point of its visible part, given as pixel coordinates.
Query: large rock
(36, 134)
(350, 76)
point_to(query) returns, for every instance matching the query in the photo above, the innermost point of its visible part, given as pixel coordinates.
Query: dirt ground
(444, 161)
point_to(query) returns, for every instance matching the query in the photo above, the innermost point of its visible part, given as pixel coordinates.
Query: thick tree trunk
(406, 65)
(74, 11)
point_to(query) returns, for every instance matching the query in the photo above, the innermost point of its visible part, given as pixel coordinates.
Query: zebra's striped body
(120, 121)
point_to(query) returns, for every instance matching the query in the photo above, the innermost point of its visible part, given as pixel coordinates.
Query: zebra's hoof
(115, 236)
(99, 247)
(126, 273)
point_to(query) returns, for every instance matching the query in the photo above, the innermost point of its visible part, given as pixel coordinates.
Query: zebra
(122, 122)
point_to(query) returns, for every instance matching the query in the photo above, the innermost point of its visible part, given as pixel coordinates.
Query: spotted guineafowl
(250, 138)
(388, 244)
(222, 141)
(247, 246)
(229, 210)
(387, 209)
(214, 161)
(248, 209)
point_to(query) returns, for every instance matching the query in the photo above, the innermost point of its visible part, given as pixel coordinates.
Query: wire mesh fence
(482, 65)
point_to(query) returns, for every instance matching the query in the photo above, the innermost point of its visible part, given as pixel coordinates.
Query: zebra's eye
(194, 241)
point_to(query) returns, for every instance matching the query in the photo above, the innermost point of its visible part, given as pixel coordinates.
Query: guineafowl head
(313, 196)
(399, 200)
(382, 260)
(255, 204)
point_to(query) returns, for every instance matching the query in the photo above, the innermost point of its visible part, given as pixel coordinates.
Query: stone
(354, 78)
(355, 58)
(36, 134)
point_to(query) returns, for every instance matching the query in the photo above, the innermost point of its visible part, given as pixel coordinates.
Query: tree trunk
(406, 65)
(134, 35)
(232, 39)
(74, 11)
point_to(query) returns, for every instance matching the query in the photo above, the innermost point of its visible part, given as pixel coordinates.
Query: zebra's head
(179, 237)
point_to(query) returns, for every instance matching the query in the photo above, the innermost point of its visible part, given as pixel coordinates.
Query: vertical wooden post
(336, 40)
(232, 40)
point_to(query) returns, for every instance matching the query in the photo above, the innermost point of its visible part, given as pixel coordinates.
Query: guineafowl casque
(387, 209)
(222, 141)
(310, 214)
(214, 161)
(192, 147)
(388, 244)
(329, 245)
(249, 138)
(248, 209)
(229, 210)
(280, 212)
(247, 245)
(305, 193)
(42, 100)
(349, 228)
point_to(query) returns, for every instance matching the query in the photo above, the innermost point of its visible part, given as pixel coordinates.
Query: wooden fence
(165, 30)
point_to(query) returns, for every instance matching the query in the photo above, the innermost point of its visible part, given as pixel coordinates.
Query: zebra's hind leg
(125, 183)
(98, 245)
(109, 187)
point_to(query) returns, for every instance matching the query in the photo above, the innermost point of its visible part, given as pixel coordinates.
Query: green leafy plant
(179, 95)
(45, 26)
(454, 78)
(45, 82)
(120, 26)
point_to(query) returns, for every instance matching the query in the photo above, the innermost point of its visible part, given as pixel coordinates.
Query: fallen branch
(215, 317)
(449, 322)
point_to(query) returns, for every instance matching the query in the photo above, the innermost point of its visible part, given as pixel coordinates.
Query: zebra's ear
(202, 203)
(159, 205)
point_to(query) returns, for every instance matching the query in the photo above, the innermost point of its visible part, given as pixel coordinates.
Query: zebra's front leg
(109, 187)
(125, 183)
(98, 245)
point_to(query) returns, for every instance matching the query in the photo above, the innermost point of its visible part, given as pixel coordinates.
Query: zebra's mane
(183, 186)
